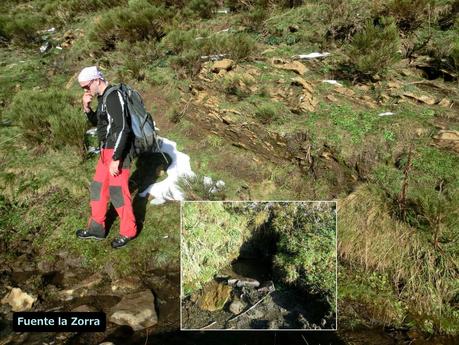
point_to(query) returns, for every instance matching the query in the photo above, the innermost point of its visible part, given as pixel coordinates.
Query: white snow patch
(333, 82)
(310, 56)
(167, 189)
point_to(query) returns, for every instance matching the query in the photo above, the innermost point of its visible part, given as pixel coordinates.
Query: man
(112, 172)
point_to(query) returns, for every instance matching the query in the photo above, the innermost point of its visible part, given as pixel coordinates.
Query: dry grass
(420, 273)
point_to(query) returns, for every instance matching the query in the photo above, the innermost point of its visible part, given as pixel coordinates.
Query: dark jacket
(113, 127)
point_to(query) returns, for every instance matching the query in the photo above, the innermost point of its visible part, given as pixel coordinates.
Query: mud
(264, 307)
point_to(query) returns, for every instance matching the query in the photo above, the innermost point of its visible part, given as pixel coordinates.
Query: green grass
(211, 237)
(47, 197)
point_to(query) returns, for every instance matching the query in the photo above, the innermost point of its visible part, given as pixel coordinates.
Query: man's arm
(92, 117)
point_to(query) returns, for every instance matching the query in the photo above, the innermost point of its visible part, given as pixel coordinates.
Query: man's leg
(120, 197)
(98, 201)
(100, 192)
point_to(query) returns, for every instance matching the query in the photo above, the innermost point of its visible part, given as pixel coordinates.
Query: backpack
(141, 122)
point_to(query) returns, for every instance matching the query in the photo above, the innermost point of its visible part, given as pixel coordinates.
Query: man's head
(92, 80)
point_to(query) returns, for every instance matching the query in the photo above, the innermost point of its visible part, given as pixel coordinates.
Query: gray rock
(248, 282)
(135, 310)
(236, 307)
(84, 309)
(126, 284)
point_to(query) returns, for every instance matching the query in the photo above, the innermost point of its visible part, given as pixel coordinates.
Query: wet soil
(49, 283)
(279, 308)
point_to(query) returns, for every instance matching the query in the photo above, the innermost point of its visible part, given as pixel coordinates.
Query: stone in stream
(214, 296)
(267, 286)
(236, 307)
(19, 300)
(135, 310)
(248, 282)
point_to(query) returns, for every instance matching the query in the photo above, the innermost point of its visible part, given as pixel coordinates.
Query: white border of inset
(251, 329)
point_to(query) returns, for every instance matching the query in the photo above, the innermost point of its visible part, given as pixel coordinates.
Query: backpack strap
(108, 92)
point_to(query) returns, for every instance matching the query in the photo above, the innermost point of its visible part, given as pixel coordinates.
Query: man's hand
(87, 98)
(114, 168)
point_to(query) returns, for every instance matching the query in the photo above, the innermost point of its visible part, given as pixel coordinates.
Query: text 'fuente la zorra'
(59, 322)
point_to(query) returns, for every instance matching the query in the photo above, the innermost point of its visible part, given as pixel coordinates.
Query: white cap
(90, 73)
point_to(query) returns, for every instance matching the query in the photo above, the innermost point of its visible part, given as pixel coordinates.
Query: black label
(59, 322)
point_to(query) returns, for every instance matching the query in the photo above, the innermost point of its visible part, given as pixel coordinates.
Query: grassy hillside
(269, 126)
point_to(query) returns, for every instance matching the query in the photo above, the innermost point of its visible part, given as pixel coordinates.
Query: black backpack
(142, 124)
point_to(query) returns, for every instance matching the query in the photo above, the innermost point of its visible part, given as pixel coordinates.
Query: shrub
(268, 113)
(204, 8)
(410, 14)
(51, 118)
(240, 46)
(131, 60)
(189, 46)
(376, 48)
(237, 85)
(21, 27)
(254, 19)
(343, 18)
(139, 21)
(63, 12)
(306, 251)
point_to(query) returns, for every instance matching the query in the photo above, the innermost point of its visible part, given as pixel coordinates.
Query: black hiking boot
(120, 241)
(95, 231)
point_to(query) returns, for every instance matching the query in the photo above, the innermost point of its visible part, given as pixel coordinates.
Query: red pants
(116, 188)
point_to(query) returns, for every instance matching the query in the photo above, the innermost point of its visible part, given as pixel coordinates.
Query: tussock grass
(211, 238)
(422, 277)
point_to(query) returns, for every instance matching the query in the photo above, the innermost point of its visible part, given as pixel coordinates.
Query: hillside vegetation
(383, 142)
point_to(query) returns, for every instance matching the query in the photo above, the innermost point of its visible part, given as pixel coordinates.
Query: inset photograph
(258, 265)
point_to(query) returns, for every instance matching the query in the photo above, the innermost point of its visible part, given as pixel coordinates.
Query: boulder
(420, 98)
(447, 139)
(225, 64)
(445, 102)
(135, 310)
(19, 300)
(303, 83)
(294, 66)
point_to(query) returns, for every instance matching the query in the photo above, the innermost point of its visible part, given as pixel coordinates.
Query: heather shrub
(410, 14)
(203, 8)
(21, 27)
(62, 12)
(376, 48)
(187, 48)
(139, 21)
(50, 118)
